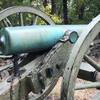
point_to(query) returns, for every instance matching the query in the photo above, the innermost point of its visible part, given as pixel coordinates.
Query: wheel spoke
(35, 19)
(92, 62)
(5, 23)
(21, 19)
(87, 85)
(9, 22)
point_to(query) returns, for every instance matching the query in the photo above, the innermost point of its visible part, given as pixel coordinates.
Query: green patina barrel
(14, 40)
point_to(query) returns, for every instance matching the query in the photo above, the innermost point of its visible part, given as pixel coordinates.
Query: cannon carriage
(40, 54)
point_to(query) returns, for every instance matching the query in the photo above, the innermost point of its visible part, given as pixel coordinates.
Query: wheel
(18, 12)
(20, 16)
(19, 87)
(78, 54)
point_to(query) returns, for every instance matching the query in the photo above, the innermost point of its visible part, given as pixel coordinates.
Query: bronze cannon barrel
(14, 40)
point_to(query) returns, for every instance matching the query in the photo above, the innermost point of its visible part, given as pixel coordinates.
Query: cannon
(33, 38)
(37, 53)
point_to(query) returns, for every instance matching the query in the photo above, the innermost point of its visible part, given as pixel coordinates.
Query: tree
(45, 3)
(94, 7)
(85, 9)
(53, 7)
(65, 11)
(80, 6)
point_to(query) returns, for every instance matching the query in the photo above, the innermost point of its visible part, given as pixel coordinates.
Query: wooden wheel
(78, 53)
(21, 16)
(18, 87)
(39, 73)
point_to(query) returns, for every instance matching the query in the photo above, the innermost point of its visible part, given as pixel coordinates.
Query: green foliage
(57, 19)
(79, 11)
(91, 10)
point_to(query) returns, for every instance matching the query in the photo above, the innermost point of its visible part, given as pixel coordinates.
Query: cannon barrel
(14, 40)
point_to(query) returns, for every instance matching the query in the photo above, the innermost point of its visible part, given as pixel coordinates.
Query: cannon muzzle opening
(72, 36)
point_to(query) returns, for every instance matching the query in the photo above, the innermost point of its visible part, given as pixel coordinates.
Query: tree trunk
(65, 12)
(53, 7)
(45, 3)
(81, 12)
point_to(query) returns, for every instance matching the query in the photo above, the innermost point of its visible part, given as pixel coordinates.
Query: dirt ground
(86, 94)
